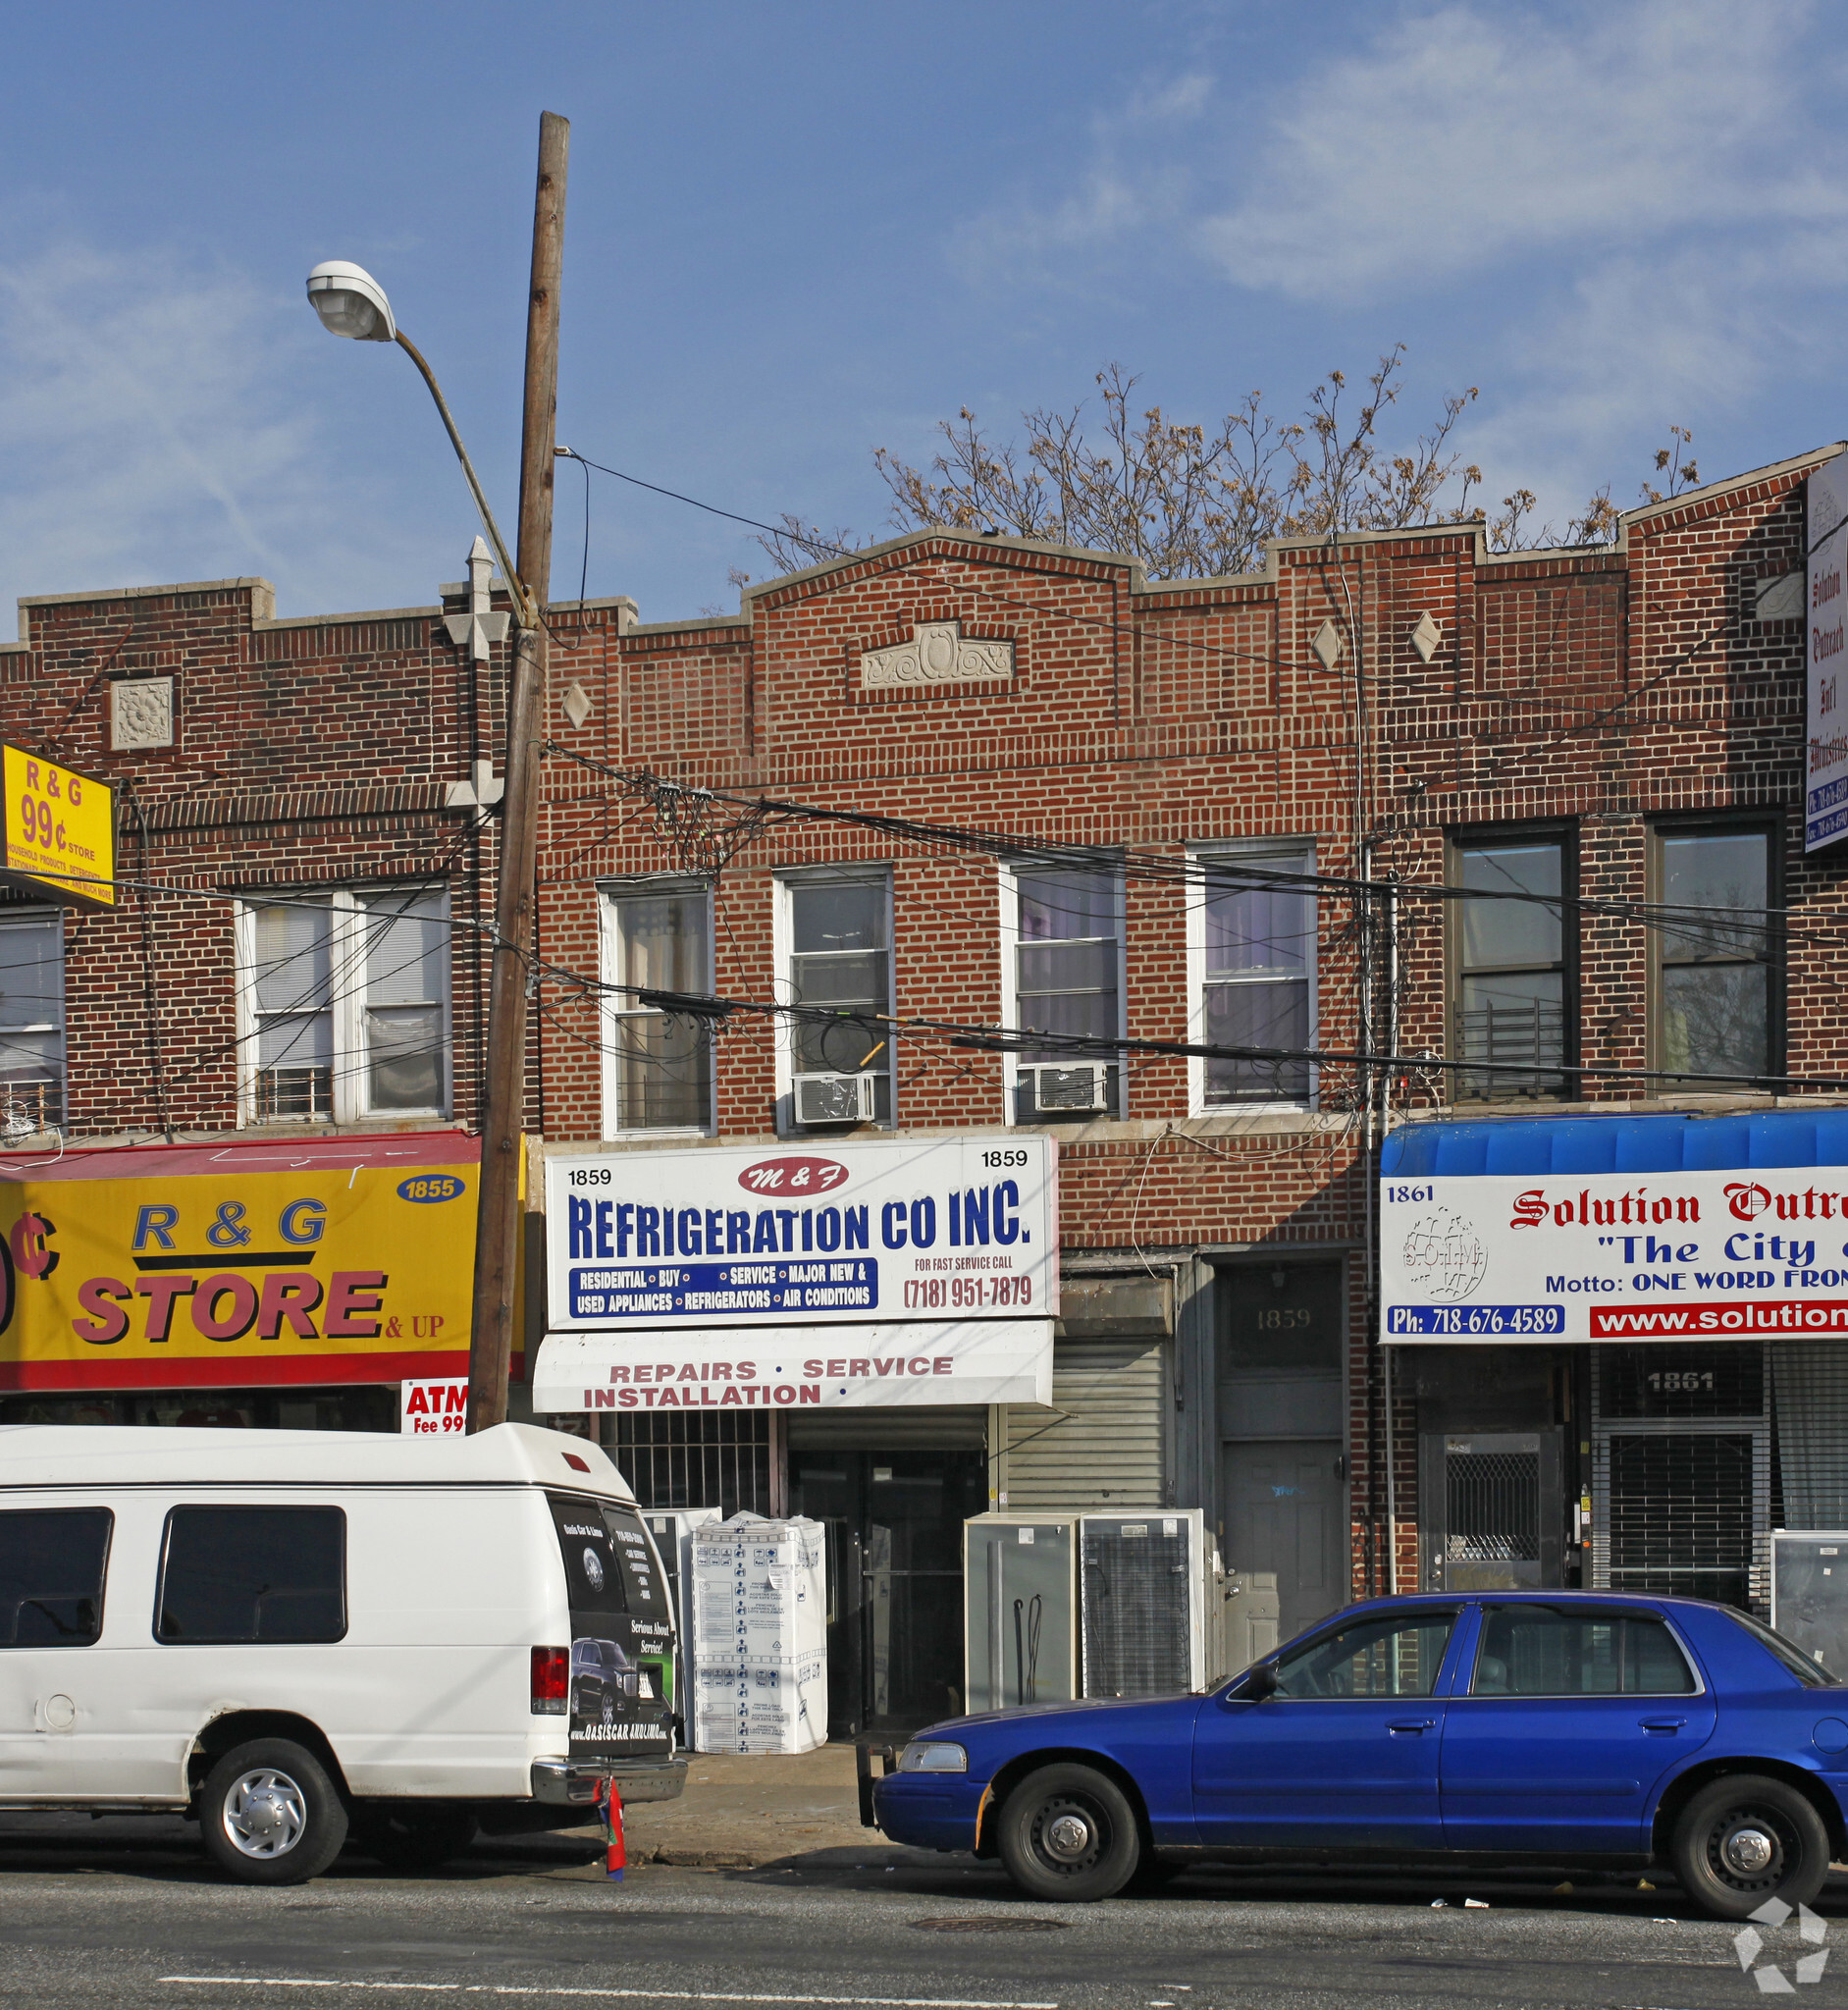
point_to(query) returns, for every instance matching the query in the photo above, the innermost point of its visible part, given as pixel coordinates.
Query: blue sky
(798, 233)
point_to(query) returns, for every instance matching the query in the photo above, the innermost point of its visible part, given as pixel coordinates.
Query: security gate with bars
(1681, 1459)
(1498, 1524)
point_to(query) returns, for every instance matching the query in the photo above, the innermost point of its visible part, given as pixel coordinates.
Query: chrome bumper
(578, 1782)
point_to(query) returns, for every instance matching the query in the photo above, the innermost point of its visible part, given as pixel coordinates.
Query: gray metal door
(1285, 1515)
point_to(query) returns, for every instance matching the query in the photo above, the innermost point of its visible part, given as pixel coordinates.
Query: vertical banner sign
(1825, 751)
(59, 832)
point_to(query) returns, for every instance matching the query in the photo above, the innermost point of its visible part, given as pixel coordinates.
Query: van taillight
(552, 1680)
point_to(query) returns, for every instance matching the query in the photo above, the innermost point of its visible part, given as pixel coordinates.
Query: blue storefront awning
(1672, 1142)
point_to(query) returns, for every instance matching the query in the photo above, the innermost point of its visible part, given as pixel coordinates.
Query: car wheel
(1744, 1839)
(414, 1836)
(1069, 1833)
(270, 1814)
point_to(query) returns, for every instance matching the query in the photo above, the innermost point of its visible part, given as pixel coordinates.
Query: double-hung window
(658, 937)
(32, 1021)
(1513, 1011)
(1714, 979)
(1251, 942)
(1066, 981)
(343, 999)
(839, 1046)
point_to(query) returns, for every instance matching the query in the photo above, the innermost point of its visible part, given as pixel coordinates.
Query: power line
(1210, 871)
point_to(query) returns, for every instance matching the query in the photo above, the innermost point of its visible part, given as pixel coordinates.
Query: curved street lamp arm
(523, 601)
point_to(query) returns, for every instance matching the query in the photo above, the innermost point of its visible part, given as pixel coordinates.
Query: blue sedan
(1552, 1727)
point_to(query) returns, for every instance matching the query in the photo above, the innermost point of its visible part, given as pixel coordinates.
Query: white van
(294, 1636)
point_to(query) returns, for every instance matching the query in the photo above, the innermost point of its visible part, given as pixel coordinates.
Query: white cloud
(154, 427)
(1466, 136)
(1126, 189)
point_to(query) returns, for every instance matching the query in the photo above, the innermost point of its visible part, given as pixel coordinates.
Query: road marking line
(275, 1982)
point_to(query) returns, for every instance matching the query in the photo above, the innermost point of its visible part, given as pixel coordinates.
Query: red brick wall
(1600, 689)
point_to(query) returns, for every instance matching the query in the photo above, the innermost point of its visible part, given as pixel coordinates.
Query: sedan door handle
(1665, 1726)
(1412, 1726)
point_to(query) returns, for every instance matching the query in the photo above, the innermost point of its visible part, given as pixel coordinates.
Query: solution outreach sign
(865, 1272)
(1826, 752)
(1722, 1253)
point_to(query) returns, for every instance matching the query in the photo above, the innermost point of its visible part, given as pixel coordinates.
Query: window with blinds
(344, 1002)
(31, 1019)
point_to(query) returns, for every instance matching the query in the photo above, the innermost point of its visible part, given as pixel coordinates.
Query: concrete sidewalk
(740, 1813)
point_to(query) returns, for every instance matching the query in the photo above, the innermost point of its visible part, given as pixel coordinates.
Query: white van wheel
(269, 1814)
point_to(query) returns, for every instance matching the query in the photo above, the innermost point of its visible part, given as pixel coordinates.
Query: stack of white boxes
(758, 1624)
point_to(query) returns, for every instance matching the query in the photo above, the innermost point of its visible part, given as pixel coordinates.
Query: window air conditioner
(1074, 1085)
(835, 1098)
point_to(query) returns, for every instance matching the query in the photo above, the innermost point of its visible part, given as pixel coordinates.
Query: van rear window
(51, 1575)
(274, 1575)
(608, 1564)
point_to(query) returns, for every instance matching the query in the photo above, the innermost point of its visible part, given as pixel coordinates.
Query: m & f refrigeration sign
(1715, 1254)
(825, 1233)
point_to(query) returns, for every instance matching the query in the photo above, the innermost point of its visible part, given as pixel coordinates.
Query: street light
(350, 302)
(353, 303)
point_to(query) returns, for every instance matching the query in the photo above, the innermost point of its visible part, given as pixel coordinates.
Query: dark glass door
(894, 1523)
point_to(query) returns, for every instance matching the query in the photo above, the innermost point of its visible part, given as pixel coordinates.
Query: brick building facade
(1232, 813)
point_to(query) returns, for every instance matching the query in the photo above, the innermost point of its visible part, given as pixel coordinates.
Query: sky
(796, 234)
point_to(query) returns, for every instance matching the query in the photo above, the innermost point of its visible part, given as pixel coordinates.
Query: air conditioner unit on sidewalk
(1143, 1578)
(1020, 1627)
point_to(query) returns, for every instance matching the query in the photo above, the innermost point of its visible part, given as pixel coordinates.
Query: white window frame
(38, 917)
(782, 948)
(1010, 890)
(1242, 850)
(350, 1099)
(617, 1006)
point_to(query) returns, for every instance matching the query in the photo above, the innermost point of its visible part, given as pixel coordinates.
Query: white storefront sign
(790, 1367)
(1825, 751)
(850, 1274)
(1729, 1253)
(430, 1408)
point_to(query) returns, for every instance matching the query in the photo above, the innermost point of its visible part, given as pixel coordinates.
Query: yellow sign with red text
(191, 1266)
(59, 828)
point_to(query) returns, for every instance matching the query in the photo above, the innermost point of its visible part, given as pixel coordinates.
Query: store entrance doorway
(894, 1523)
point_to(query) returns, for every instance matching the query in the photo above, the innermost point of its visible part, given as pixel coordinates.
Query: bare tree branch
(1190, 503)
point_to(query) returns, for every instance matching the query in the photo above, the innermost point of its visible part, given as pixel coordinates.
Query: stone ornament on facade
(141, 714)
(938, 653)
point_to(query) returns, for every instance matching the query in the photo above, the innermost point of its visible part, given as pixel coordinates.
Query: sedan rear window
(51, 1575)
(271, 1574)
(1539, 1651)
(1810, 1674)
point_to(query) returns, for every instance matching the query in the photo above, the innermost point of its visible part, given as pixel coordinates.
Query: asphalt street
(127, 1912)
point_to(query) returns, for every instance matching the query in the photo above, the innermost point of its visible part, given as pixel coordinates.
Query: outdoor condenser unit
(672, 1529)
(1143, 1581)
(1810, 1593)
(835, 1098)
(1020, 1582)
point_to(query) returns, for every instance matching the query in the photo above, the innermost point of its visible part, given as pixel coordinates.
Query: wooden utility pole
(496, 1235)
